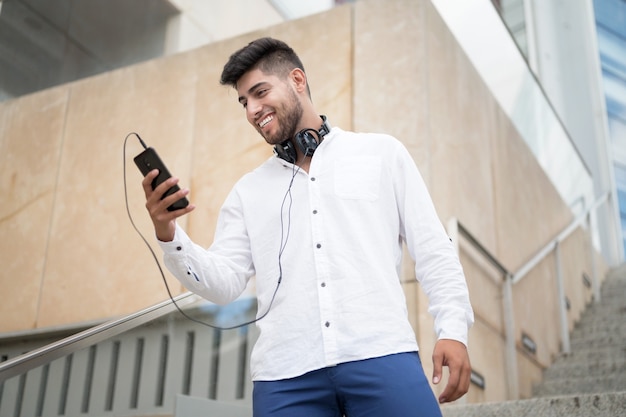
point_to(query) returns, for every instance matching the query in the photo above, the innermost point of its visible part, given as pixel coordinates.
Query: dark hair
(269, 55)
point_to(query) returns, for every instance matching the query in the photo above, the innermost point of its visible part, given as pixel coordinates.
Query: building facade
(498, 157)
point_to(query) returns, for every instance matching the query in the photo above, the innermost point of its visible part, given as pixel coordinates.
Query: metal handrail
(509, 279)
(37, 357)
(486, 253)
(543, 252)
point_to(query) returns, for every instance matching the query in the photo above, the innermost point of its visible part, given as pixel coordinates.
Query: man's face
(271, 104)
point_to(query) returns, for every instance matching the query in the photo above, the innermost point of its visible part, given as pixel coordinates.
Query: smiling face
(272, 104)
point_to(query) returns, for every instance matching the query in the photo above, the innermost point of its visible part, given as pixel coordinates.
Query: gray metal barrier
(139, 372)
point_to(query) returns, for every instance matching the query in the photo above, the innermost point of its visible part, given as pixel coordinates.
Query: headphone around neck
(307, 140)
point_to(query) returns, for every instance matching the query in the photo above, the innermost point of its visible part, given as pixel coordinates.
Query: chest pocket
(358, 178)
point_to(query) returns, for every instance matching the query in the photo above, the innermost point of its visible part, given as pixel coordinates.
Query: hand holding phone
(149, 160)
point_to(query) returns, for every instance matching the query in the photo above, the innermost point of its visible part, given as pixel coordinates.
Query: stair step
(582, 369)
(613, 288)
(612, 291)
(583, 355)
(608, 319)
(590, 381)
(591, 384)
(614, 340)
(602, 316)
(589, 353)
(607, 307)
(618, 330)
(614, 281)
(589, 405)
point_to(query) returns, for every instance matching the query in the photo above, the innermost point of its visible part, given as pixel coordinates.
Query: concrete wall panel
(97, 266)
(390, 74)
(31, 137)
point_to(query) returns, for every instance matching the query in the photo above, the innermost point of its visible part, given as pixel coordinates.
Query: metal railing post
(595, 282)
(509, 330)
(561, 302)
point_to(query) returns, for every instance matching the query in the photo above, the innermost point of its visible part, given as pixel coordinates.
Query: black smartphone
(149, 160)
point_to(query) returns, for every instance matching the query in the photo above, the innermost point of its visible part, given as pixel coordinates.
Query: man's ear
(298, 78)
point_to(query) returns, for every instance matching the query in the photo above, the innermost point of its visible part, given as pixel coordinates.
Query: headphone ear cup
(306, 141)
(286, 151)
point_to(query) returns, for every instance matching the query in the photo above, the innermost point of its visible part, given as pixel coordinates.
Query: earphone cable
(156, 260)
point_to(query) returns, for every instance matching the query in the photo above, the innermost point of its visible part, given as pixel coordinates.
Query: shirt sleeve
(437, 266)
(221, 272)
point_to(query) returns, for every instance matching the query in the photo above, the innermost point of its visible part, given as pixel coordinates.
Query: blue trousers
(389, 386)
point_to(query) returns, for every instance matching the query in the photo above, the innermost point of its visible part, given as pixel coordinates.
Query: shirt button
(179, 248)
(323, 284)
(312, 178)
(327, 324)
(314, 211)
(319, 245)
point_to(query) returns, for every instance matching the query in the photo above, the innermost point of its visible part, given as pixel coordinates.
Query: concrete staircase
(591, 381)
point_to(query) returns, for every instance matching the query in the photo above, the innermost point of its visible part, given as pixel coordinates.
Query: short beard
(288, 127)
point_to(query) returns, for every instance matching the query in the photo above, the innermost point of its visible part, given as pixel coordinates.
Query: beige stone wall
(70, 255)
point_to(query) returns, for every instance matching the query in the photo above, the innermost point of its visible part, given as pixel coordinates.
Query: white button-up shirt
(333, 237)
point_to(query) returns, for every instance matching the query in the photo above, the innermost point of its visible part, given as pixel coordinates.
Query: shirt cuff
(176, 244)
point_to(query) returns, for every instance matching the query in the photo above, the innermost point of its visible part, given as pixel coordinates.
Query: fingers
(147, 182)
(457, 386)
(162, 218)
(160, 201)
(454, 355)
(155, 201)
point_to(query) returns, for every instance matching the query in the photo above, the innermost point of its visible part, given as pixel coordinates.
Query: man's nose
(253, 108)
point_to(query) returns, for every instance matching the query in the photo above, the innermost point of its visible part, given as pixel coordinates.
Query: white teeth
(266, 121)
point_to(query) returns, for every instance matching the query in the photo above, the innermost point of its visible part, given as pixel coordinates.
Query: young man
(321, 227)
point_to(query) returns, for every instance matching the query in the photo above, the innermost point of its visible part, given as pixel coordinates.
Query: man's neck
(304, 162)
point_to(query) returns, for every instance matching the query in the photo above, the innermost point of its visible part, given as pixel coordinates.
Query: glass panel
(612, 15)
(486, 40)
(611, 29)
(141, 371)
(513, 13)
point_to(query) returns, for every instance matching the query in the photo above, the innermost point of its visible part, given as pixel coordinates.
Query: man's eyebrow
(252, 89)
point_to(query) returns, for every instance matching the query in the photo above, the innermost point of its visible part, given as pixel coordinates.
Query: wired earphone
(307, 140)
